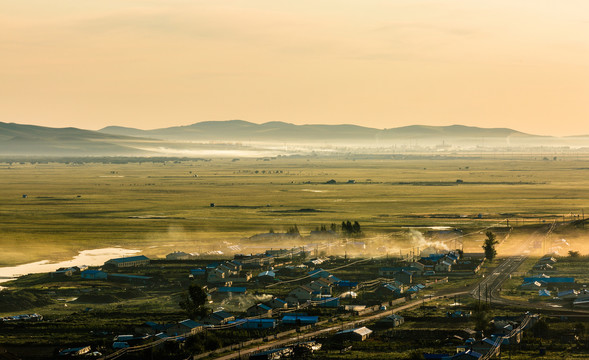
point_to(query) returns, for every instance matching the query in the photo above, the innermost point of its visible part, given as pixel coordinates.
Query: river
(94, 257)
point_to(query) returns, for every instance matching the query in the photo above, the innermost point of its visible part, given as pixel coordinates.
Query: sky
(522, 64)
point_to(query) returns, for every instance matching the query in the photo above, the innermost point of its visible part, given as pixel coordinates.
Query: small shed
(392, 320)
(357, 334)
(259, 310)
(93, 275)
(218, 318)
(187, 326)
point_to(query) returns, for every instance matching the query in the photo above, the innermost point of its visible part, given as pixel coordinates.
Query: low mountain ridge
(240, 130)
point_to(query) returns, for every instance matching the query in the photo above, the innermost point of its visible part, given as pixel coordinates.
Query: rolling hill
(18, 139)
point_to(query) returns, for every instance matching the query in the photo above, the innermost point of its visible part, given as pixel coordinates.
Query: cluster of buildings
(22, 317)
(119, 263)
(507, 330)
(551, 286)
(319, 289)
(432, 264)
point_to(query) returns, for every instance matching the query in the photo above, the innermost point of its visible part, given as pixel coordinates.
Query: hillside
(18, 139)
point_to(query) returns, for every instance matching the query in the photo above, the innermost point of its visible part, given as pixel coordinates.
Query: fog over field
(55, 207)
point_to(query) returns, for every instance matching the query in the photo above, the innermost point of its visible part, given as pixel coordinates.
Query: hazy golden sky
(522, 64)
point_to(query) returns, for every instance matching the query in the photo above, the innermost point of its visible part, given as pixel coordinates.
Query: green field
(161, 207)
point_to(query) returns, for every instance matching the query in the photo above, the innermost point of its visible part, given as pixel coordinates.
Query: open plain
(53, 210)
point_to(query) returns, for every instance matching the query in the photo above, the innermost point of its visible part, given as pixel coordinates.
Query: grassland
(160, 207)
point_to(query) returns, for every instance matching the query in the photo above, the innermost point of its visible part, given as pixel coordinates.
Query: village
(308, 302)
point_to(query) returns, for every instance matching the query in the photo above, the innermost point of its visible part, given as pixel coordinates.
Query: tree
(194, 302)
(574, 254)
(293, 230)
(489, 246)
(356, 228)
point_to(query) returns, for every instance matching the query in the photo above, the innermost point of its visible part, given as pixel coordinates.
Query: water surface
(94, 257)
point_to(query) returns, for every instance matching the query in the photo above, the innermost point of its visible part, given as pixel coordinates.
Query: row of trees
(347, 228)
(351, 229)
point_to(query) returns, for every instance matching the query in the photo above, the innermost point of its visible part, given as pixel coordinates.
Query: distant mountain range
(18, 139)
(239, 130)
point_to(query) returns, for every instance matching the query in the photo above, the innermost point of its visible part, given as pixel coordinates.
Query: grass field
(161, 207)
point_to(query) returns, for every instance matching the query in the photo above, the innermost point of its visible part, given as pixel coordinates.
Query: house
(218, 318)
(184, 327)
(299, 295)
(299, 320)
(234, 265)
(152, 328)
(266, 277)
(217, 275)
(543, 267)
(357, 334)
(392, 320)
(322, 286)
(259, 310)
(229, 271)
(64, 272)
(443, 266)
(129, 340)
(547, 260)
(568, 294)
(404, 276)
(388, 290)
(93, 275)
(417, 267)
(131, 261)
(277, 303)
(432, 257)
(543, 292)
(75, 351)
(227, 292)
(243, 278)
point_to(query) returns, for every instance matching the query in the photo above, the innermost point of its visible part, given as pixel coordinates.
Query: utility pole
(487, 294)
